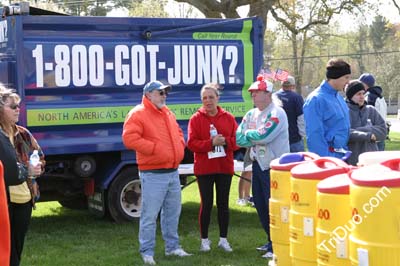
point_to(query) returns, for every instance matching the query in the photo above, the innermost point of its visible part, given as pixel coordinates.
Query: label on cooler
(308, 226)
(284, 214)
(362, 257)
(341, 248)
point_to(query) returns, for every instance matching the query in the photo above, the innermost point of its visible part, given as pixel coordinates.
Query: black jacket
(373, 93)
(14, 173)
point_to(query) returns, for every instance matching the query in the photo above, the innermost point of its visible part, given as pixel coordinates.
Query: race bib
(218, 152)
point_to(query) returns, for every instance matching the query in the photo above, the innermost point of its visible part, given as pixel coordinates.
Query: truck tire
(125, 196)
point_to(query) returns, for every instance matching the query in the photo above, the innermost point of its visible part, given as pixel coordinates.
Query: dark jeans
(261, 193)
(206, 188)
(20, 217)
(381, 145)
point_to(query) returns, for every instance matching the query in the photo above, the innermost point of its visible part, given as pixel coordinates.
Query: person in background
(22, 196)
(151, 130)
(374, 97)
(245, 181)
(13, 174)
(213, 162)
(367, 126)
(293, 106)
(326, 113)
(264, 129)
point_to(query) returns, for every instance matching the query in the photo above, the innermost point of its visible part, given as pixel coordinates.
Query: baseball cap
(261, 85)
(289, 82)
(156, 85)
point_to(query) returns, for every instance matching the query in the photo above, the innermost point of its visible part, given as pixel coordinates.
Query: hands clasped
(218, 140)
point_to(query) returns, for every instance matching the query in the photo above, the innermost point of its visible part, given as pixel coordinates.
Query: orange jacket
(155, 136)
(4, 223)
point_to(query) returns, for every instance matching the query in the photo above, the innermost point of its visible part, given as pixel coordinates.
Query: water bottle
(34, 159)
(213, 131)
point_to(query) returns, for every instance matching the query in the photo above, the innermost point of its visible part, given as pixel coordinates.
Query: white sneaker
(177, 252)
(147, 259)
(268, 255)
(241, 202)
(224, 244)
(205, 245)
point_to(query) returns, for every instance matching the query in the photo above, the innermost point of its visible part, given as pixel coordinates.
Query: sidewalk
(395, 124)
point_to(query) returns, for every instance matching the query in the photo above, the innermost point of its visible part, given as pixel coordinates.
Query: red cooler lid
(337, 184)
(320, 168)
(386, 174)
(289, 160)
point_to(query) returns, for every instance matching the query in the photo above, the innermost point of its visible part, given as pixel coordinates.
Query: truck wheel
(125, 196)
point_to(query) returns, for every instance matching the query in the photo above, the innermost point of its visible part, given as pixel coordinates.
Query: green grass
(394, 143)
(59, 236)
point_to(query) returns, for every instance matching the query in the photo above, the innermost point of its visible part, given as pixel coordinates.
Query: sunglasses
(162, 93)
(14, 106)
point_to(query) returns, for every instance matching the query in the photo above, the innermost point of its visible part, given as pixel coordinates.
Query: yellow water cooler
(279, 203)
(333, 213)
(375, 224)
(373, 157)
(303, 207)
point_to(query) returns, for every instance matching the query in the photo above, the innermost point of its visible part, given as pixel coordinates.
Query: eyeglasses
(162, 93)
(13, 106)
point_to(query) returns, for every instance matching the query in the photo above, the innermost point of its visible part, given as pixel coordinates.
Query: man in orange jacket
(151, 130)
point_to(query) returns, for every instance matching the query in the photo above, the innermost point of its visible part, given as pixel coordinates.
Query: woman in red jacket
(212, 138)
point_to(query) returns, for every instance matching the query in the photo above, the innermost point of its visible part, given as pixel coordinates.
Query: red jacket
(155, 136)
(199, 141)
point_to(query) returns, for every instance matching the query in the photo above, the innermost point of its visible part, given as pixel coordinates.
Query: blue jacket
(327, 121)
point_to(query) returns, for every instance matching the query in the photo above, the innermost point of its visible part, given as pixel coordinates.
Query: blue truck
(78, 77)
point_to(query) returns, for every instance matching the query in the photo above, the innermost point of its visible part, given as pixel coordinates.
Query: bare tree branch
(396, 5)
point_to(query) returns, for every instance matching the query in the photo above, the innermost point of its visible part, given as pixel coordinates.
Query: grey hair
(6, 93)
(211, 86)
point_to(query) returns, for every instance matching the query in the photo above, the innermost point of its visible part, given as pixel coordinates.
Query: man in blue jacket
(326, 113)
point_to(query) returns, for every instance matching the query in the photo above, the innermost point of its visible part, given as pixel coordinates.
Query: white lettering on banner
(203, 64)
(153, 50)
(121, 70)
(62, 70)
(3, 33)
(81, 65)
(96, 69)
(188, 70)
(174, 74)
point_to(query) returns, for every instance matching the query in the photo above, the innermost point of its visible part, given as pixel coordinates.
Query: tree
(298, 17)
(228, 8)
(84, 7)
(148, 8)
(397, 5)
(301, 18)
(360, 44)
(378, 32)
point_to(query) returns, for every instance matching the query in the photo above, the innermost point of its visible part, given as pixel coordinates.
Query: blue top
(327, 121)
(293, 105)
